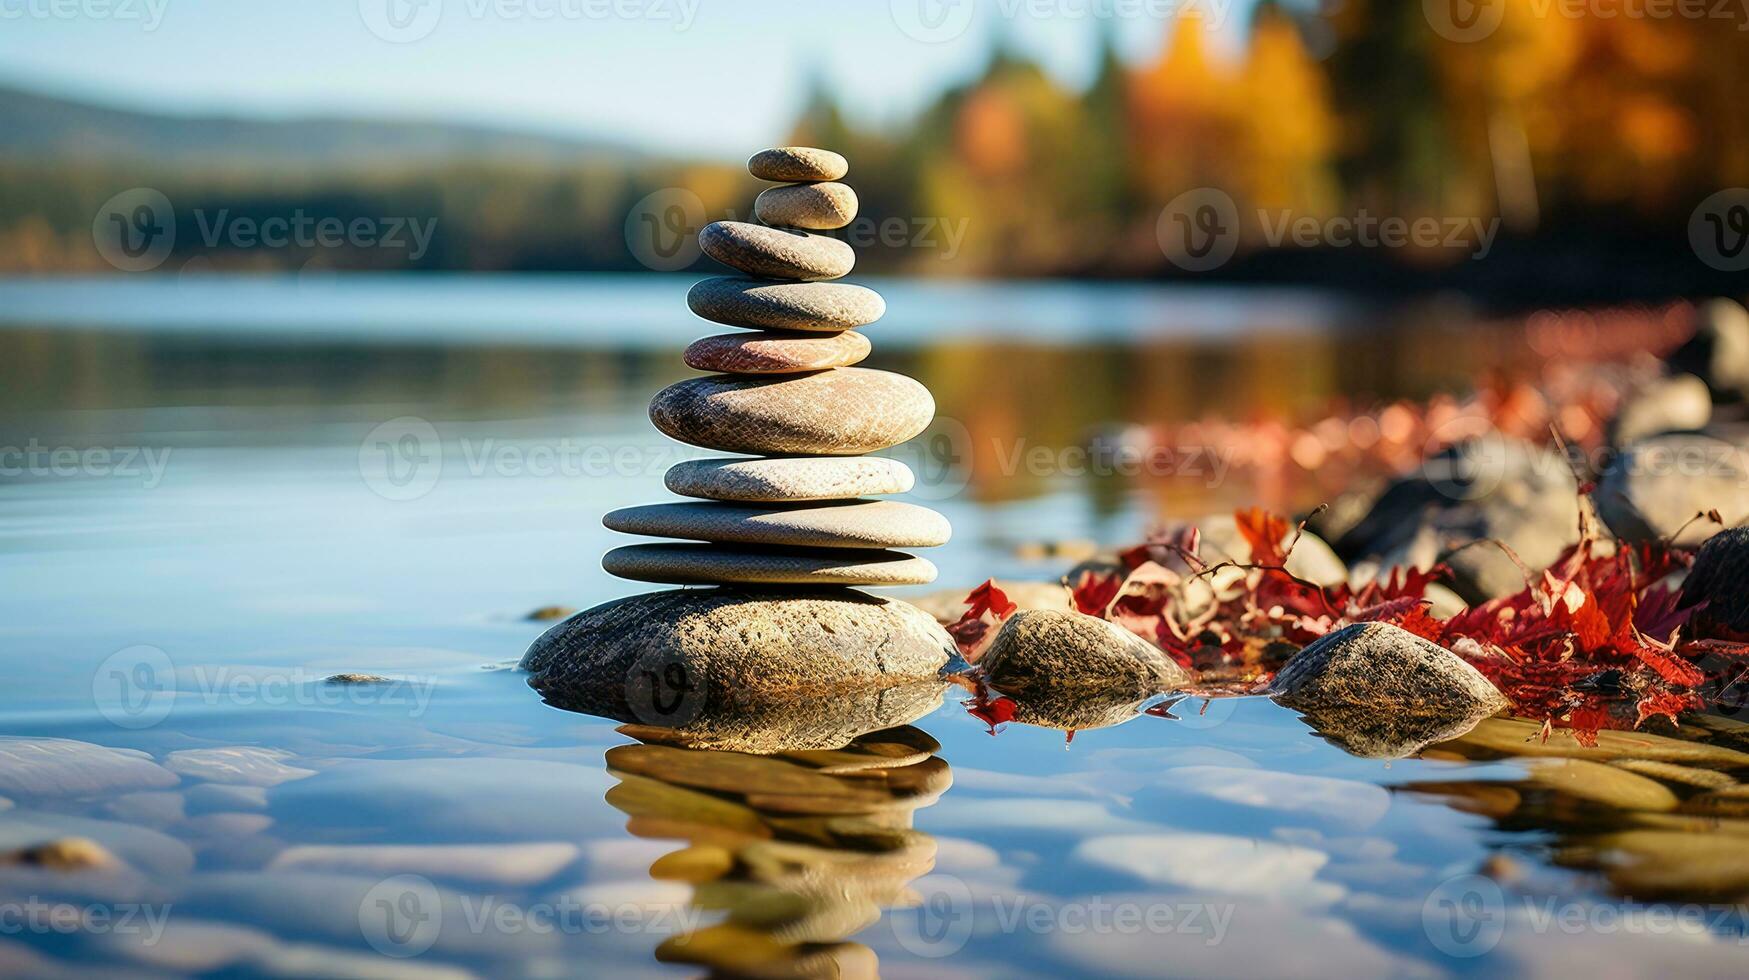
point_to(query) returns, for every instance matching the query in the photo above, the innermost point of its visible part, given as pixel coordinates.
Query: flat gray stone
(842, 412)
(816, 207)
(1680, 403)
(694, 564)
(1657, 486)
(1718, 353)
(791, 163)
(737, 301)
(789, 478)
(845, 524)
(31, 767)
(1384, 668)
(698, 659)
(776, 253)
(1043, 650)
(776, 353)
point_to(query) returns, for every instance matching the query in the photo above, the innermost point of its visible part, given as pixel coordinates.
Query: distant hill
(36, 127)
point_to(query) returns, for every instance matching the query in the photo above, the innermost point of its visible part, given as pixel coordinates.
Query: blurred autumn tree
(1554, 123)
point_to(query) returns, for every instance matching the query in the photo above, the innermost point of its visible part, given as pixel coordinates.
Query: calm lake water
(217, 493)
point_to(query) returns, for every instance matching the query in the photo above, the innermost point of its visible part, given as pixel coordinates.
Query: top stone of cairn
(790, 164)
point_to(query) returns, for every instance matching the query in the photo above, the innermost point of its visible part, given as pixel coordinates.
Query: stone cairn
(787, 395)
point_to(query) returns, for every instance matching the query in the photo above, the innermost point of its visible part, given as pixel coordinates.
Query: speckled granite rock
(843, 412)
(737, 301)
(792, 163)
(1042, 650)
(816, 207)
(1720, 579)
(1384, 668)
(788, 478)
(835, 524)
(775, 253)
(776, 353)
(723, 650)
(691, 564)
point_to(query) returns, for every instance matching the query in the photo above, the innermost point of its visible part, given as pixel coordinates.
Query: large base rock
(811, 669)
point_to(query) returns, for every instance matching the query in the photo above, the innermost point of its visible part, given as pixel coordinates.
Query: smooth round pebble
(776, 253)
(694, 564)
(841, 524)
(792, 163)
(841, 412)
(736, 301)
(792, 478)
(819, 207)
(776, 353)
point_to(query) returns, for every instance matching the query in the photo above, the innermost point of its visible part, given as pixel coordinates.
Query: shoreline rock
(1384, 668)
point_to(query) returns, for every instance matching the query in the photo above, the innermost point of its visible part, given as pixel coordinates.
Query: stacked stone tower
(791, 511)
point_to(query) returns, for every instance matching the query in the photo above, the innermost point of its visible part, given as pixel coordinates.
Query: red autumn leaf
(1093, 594)
(991, 711)
(969, 635)
(1264, 532)
(1665, 703)
(987, 598)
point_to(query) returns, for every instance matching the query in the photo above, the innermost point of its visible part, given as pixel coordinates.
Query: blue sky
(709, 77)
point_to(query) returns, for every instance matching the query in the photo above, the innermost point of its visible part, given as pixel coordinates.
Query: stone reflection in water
(1371, 733)
(792, 852)
(1660, 818)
